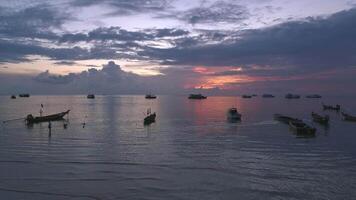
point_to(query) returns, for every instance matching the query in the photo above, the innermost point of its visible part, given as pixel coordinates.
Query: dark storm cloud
(32, 22)
(218, 12)
(309, 45)
(126, 7)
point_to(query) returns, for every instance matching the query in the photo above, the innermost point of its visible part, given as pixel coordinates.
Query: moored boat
(24, 95)
(91, 96)
(13, 97)
(150, 118)
(301, 128)
(268, 96)
(196, 96)
(30, 119)
(292, 96)
(337, 107)
(348, 117)
(313, 96)
(285, 119)
(150, 96)
(320, 119)
(233, 114)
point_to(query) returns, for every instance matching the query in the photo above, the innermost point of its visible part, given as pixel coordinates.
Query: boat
(150, 96)
(292, 96)
(247, 96)
(54, 117)
(233, 114)
(348, 117)
(320, 119)
(24, 95)
(150, 118)
(313, 96)
(197, 96)
(285, 119)
(268, 96)
(330, 107)
(301, 128)
(91, 96)
(13, 97)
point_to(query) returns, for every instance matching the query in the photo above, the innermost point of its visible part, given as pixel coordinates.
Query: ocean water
(191, 152)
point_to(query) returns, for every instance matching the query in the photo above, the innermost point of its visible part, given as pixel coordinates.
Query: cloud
(126, 7)
(32, 22)
(217, 12)
(301, 46)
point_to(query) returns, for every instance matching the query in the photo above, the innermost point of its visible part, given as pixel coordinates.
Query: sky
(216, 47)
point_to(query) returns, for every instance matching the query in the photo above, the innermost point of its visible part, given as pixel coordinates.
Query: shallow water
(191, 152)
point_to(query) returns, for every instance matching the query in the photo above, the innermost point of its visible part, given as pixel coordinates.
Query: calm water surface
(191, 152)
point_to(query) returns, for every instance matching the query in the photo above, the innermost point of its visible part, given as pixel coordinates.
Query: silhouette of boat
(292, 96)
(197, 96)
(150, 118)
(91, 96)
(13, 97)
(320, 119)
(301, 128)
(330, 107)
(150, 96)
(285, 119)
(54, 117)
(246, 96)
(24, 95)
(268, 96)
(233, 114)
(348, 117)
(313, 96)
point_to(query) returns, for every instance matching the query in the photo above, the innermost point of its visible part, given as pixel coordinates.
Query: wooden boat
(285, 119)
(24, 95)
(348, 117)
(320, 119)
(330, 107)
(292, 96)
(268, 96)
(247, 96)
(301, 128)
(313, 96)
(54, 117)
(91, 96)
(149, 119)
(13, 97)
(233, 115)
(197, 96)
(150, 96)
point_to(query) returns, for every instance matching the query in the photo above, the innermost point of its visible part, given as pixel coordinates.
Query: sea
(191, 152)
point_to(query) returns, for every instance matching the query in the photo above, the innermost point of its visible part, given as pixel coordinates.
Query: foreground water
(191, 152)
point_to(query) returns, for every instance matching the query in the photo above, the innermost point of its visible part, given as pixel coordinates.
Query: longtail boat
(196, 96)
(284, 119)
(301, 128)
(320, 119)
(54, 117)
(149, 119)
(348, 117)
(150, 96)
(233, 115)
(329, 107)
(91, 96)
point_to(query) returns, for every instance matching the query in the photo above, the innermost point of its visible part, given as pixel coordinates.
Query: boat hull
(54, 117)
(149, 119)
